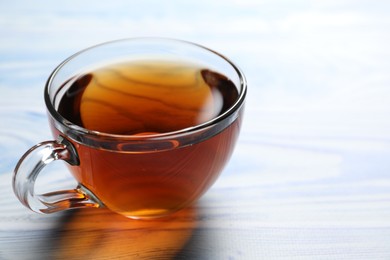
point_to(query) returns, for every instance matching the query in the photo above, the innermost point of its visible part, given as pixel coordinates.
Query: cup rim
(79, 130)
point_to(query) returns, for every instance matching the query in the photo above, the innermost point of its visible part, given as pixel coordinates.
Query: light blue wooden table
(310, 178)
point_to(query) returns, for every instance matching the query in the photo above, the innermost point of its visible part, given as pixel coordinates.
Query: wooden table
(310, 178)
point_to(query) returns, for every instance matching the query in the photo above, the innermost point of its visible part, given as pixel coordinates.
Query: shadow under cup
(139, 176)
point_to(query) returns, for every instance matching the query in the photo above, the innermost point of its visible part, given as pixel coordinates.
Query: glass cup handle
(28, 169)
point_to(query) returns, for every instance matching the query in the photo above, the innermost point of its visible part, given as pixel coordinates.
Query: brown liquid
(146, 97)
(150, 97)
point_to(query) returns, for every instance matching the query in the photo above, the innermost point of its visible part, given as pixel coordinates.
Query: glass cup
(139, 176)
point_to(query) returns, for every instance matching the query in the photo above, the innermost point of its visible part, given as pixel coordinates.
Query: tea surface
(146, 96)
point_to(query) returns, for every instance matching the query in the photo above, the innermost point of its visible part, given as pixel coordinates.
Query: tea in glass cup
(146, 126)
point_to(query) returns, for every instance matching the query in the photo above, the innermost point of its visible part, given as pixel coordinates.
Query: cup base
(147, 213)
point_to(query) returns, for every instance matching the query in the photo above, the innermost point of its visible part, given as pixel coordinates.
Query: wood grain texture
(310, 177)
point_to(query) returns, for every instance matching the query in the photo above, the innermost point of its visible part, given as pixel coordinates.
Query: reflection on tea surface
(146, 96)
